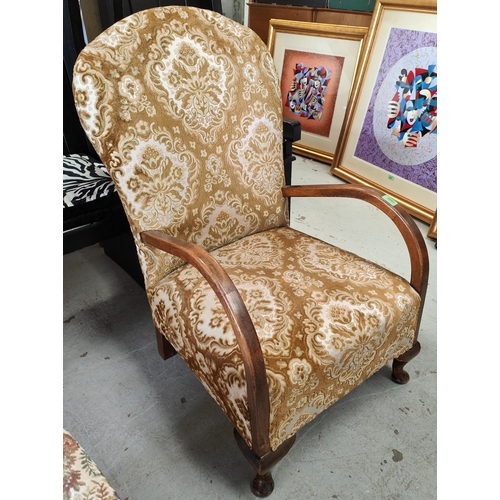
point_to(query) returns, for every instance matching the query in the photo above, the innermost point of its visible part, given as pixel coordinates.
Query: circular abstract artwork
(399, 129)
(405, 110)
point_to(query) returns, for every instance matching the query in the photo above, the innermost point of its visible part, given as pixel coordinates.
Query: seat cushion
(326, 320)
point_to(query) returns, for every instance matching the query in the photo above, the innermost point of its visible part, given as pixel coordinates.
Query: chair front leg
(399, 375)
(263, 483)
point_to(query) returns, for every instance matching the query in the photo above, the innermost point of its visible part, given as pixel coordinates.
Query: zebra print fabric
(84, 180)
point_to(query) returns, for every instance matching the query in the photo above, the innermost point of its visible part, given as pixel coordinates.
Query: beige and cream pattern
(82, 479)
(325, 318)
(183, 107)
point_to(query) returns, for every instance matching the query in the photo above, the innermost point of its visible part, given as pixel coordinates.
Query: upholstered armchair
(183, 107)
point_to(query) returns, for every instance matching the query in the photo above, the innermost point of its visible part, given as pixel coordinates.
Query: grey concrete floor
(155, 432)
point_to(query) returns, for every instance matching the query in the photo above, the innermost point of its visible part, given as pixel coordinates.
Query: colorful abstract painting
(307, 93)
(309, 86)
(399, 132)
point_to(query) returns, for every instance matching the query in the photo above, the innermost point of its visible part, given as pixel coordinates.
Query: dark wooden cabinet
(259, 15)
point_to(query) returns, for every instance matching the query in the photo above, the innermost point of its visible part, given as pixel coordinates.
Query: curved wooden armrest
(412, 236)
(244, 330)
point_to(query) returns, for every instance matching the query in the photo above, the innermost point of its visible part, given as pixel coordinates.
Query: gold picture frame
(337, 48)
(400, 53)
(433, 228)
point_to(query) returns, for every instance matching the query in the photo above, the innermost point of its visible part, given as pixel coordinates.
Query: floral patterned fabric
(326, 320)
(81, 477)
(183, 107)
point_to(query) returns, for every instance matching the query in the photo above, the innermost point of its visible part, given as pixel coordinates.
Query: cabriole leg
(399, 375)
(263, 483)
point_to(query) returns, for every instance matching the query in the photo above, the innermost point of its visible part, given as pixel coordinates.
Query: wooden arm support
(412, 236)
(244, 330)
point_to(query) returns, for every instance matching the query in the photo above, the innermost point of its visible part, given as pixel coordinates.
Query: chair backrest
(102, 15)
(183, 107)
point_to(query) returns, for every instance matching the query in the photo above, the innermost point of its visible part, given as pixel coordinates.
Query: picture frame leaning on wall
(388, 138)
(316, 64)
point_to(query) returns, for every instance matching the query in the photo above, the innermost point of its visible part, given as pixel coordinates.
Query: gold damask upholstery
(183, 107)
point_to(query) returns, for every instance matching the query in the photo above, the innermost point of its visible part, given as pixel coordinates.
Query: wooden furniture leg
(399, 375)
(165, 348)
(263, 483)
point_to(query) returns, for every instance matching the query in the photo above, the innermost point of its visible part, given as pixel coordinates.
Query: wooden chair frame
(261, 456)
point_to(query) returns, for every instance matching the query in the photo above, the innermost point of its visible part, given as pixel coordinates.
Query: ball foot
(263, 485)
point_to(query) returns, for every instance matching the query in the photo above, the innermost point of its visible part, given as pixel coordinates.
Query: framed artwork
(317, 65)
(389, 135)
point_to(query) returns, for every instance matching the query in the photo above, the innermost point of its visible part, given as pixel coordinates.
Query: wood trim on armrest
(412, 236)
(244, 330)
